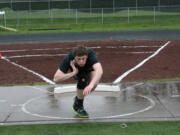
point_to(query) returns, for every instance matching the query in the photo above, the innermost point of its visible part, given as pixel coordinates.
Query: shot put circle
(98, 106)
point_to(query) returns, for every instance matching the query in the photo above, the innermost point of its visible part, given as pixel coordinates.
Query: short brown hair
(80, 51)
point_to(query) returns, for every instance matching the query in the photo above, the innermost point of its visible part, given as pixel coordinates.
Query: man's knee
(82, 83)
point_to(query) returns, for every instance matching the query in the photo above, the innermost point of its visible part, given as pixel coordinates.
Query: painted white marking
(137, 46)
(33, 72)
(111, 47)
(50, 55)
(97, 47)
(152, 104)
(2, 57)
(36, 88)
(3, 101)
(43, 49)
(26, 50)
(175, 96)
(72, 88)
(15, 105)
(139, 52)
(13, 50)
(38, 55)
(131, 87)
(42, 90)
(140, 64)
(140, 46)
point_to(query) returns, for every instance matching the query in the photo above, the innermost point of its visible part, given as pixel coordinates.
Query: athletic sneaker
(79, 109)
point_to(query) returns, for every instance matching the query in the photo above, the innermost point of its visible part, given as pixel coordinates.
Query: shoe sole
(79, 114)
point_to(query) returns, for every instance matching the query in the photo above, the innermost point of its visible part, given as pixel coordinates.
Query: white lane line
(51, 55)
(140, 46)
(23, 50)
(33, 72)
(140, 64)
(43, 49)
(26, 50)
(140, 52)
(38, 55)
(97, 47)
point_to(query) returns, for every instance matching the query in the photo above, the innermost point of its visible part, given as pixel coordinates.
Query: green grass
(24, 84)
(87, 22)
(166, 80)
(133, 128)
(96, 27)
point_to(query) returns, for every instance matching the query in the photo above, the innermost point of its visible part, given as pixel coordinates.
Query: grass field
(133, 128)
(93, 27)
(81, 21)
(166, 80)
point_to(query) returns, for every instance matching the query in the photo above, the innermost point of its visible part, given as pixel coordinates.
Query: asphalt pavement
(89, 36)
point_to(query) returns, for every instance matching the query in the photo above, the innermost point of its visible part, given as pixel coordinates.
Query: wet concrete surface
(134, 102)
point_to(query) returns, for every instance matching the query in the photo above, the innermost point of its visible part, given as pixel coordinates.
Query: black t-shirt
(91, 60)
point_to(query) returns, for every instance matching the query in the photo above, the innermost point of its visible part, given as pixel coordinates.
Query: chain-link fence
(94, 15)
(76, 4)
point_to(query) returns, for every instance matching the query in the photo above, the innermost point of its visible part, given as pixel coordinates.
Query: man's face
(81, 60)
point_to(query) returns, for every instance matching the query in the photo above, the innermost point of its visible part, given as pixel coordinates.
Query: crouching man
(85, 67)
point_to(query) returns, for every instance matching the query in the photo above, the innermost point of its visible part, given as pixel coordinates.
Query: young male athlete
(86, 69)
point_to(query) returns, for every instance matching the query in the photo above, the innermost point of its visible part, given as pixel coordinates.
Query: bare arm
(61, 76)
(98, 72)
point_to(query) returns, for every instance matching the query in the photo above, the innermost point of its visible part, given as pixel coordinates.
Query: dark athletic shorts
(83, 79)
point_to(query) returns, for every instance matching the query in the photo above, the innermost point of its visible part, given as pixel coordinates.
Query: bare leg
(80, 94)
(80, 91)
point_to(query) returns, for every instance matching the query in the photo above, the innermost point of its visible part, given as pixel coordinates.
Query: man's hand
(75, 70)
(88, 90)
